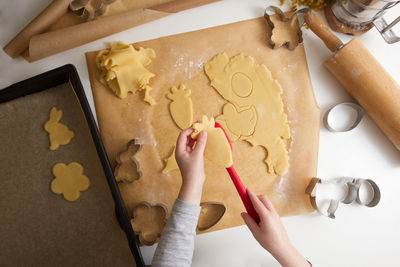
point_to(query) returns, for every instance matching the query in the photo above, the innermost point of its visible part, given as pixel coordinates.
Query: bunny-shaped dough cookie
(59, 134)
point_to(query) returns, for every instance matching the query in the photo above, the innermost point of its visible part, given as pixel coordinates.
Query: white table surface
(359, 236)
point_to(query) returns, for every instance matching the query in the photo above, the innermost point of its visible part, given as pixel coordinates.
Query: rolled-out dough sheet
(180, 59)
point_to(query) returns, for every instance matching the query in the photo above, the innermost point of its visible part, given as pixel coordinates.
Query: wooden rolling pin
(363, 77)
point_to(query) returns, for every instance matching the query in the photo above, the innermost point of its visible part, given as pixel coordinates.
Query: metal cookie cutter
(360, 114)
(353, 194)
(127, 169)
(149, 233)
(89, 9)
(291, 19)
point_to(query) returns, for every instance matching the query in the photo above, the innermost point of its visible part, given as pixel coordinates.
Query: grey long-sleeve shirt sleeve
(177, 240)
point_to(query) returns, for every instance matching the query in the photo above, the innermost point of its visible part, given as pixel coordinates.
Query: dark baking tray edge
(68, 73)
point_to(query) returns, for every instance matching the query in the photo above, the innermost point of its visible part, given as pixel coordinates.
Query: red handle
(243, 193)
(238, 184)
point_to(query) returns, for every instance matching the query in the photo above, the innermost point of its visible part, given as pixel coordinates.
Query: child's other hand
(271, 233)
(190, 159)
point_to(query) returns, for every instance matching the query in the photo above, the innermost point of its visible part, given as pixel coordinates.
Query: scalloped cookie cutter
(360, 114)
(89, 9)
(146, 238)
(291, 18)
(353, 194)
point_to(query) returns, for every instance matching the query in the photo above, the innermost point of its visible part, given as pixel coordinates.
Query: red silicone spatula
(239, 185)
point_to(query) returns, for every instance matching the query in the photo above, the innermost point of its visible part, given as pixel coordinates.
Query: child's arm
(191, 165)
(271, 234)
(177, 240)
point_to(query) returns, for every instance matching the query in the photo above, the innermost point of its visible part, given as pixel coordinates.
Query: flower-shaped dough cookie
(148, 222)
(69, 180)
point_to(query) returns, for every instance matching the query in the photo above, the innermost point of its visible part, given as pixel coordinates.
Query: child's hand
(270, 232)
(190, 159)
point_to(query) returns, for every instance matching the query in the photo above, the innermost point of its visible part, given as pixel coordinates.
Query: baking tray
(68, 75)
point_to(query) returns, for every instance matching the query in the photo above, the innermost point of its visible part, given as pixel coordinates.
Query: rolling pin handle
(322, 31)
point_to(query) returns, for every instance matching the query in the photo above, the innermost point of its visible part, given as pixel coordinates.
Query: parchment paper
(56, 29)
(180, 59)
(38, 227)
(38, 25)
(49, 43)
(116, 7)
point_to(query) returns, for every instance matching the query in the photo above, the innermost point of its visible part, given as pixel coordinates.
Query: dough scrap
(181, 107)
(127, 169)
(123, 69)
(217, 149)
(238, 124)
(148, 222)
(69, 180)
(170, 163)
(246, 85)
(59, 134)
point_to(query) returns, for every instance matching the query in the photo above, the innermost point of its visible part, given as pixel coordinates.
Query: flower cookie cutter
(353, 186)
(89, 9)
(149, 228)
(291, 19)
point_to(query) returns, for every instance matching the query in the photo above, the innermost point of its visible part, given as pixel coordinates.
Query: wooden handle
(322, 31)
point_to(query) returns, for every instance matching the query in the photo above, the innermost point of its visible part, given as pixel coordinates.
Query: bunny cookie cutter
(353, 186)
(291, 19)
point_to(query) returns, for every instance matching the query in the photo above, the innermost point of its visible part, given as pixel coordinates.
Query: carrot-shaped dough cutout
(181, 108)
